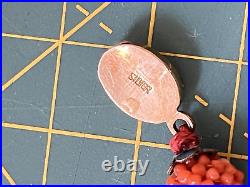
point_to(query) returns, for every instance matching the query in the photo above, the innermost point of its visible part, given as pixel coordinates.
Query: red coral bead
(212, 174)
(239, 176)
(199, 169)
(203, 159)
(194, 179)
(207, 182)
(182, 176)
(227, 178)
(218, 165)
(230, 169)
(178, 168)
(171, 180)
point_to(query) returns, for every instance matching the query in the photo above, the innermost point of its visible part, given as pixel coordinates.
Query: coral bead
(218, 165)
(225, 161)
(227, 178)
(230, 169)
(212, 174)
(199, 169)
(204, 160)
(171, 180)
(207, 182)
(194, 179)
(178, 168)
(239, 176)
(182, 176)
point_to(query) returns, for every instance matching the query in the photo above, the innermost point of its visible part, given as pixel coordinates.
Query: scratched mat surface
(58, 124)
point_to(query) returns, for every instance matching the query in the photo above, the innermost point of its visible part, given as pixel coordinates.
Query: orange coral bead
(227, 178)
(171, 180)
(230, 169)
(199, 169)
(225, 161)
(207, 182)
(212, 174)
(204, 160)
(218, 165)
(182, 176)
(194, 179)
(178, 168)
(239, 176)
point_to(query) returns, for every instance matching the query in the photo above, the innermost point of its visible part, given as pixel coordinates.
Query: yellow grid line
(55, 45)
(237, 82)
(102, 46)
(82, 10)
(105, 27)
(101, 137)
(236, 156)
(67, 133)
(26, 37)
(92, 136)
(151, 24)
(25, 127)
(136, 151)
(54, 94)
(200, 100)
(155, 145)
(243, 36)
(202, 58)
(95, 45)
(225, 119)
(7, 176)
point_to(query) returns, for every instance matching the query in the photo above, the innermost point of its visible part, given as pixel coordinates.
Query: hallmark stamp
(140, 82)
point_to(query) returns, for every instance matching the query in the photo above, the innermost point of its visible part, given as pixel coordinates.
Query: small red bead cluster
(202, 168)
(206, 171)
